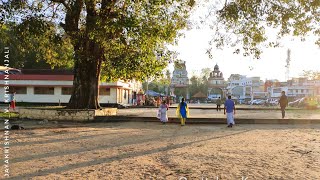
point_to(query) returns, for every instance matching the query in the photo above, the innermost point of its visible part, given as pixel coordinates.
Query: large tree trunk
(88, 54)
(87, 70)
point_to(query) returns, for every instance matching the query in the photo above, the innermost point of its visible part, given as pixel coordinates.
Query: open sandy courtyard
(156, 151)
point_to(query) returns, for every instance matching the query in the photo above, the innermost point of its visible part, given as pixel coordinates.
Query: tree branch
(107, 6)
(62, 2)
(72, 18)
(90, 6)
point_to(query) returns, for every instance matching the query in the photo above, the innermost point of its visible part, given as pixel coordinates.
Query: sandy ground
(212, 113)
(156, 151)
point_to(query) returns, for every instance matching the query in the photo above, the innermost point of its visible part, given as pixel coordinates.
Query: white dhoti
(163, 115)
(230, 118)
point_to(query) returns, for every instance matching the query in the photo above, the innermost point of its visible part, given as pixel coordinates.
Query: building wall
(252, 87)
(213, 82)
(109, 98)
(275, 92)
(296, 87)
(180, 75)
(120, 93)
(35, 98)
(300, 91)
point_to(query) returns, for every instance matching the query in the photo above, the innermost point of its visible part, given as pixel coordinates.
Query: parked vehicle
(241, 101)
(294, 103)
(10, 70)
(273, 102)
(308, 102)
(257, 102)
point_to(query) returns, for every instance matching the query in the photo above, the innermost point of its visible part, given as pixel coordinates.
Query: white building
(297, 88)
(179, 75)
(244, 87)
(180, 80)
(36, 88)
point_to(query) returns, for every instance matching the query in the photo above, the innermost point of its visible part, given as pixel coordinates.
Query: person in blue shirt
(231, 110)
(182, 112)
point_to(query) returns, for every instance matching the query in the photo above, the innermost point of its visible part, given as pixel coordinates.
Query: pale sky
(193, 46)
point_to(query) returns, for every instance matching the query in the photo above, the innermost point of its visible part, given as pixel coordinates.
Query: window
(44, 90)
(66, 90)
(277, 90)
(119, 96)
(297, 91)
(302, 90)
(125, 94)
(18, 90)
(105, 91)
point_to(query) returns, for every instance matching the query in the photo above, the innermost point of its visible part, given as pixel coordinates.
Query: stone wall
(65, 114)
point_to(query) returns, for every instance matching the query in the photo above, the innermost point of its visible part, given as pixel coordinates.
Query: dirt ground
(155, 151)
(212, 113)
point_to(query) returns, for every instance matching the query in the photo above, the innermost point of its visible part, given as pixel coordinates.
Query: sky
(193, 46)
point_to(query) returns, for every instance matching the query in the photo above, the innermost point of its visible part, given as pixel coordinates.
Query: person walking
(182, 112)
(229, 106)
(13, 101)
(283, 103)
(219, 104)
(162, 113)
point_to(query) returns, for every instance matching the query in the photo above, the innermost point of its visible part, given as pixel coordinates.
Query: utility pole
(251, 93)
(288, 60)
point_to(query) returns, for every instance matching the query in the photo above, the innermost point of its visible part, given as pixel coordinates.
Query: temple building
(216, 84)
(180, 81)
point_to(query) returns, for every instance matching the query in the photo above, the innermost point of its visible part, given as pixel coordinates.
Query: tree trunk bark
(87, 70)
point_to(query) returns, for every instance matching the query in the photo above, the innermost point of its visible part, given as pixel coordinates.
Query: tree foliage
(198, 84)
(121, 38)
(312, 75)
(160, 84)
(246, 22)
(34, 49)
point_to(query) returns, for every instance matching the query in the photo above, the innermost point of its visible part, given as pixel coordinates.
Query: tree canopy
(119, 38)
(312, 75)
(131, 34)
(36, 50)
(244, 24)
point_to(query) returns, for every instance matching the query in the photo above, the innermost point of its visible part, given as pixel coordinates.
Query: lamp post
(251, 93)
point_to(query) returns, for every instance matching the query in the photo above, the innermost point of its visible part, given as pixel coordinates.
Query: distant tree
(194, 85)
(159, 84)
(204, 85)
(205, 72)
(198, 84)
(312, 75)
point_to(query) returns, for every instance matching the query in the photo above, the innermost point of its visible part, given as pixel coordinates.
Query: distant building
(296, 88)
(216, 83)
(179, 75)
(302, 87)
(180, 81)
(243, 87)
(271, 83)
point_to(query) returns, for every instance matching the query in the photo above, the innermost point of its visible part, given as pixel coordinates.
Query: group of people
(182, 111)
(229, 110)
